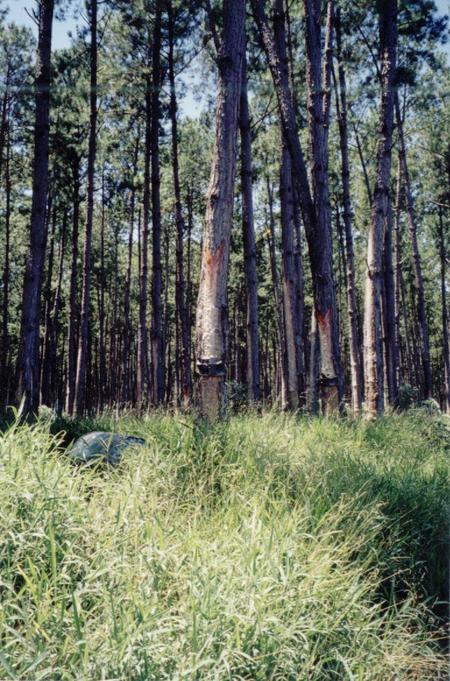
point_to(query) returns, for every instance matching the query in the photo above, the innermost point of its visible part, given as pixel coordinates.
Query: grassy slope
(271, 547)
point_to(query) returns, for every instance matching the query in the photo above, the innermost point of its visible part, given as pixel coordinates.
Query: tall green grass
(269, 547)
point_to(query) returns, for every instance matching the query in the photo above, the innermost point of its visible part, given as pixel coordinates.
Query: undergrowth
(269, 547)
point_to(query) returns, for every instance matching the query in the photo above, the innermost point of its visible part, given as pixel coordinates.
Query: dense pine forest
(224, 340)
(243, 204)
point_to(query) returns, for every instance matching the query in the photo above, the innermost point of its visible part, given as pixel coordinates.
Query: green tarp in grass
(94, 447)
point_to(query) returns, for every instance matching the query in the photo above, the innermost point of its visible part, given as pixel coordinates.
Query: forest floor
(269, 547)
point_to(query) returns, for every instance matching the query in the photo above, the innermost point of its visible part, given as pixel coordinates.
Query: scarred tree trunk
(212, 299)
(29, 341)
(83, 349)
(352, 309)
(156, 327)
(180, 293)
(373, 351)
(318, 81)
(318, 230)
(417, 266)
(248, 231)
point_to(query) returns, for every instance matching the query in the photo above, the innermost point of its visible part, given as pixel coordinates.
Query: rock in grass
(94, 447)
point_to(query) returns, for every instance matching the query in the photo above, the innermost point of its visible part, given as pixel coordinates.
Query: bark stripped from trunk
(318, 80)
(251, 280)
(212, 299)
(373, 351)
(29, 341)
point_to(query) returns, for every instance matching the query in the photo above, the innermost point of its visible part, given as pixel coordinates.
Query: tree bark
(45, 367)
(292, 332)
(126, 349)
(443, 255)
(142, 377)
(102, 285)
(373, 353)
(318, 230)
(212, 299)
(29, 341)
(83, 349)
(4, 361)
(278, 308)
(248, 231)
(156, 327)
(180, 285)
(390, 344)
(418, 277)
(352, 308)
(72, 336)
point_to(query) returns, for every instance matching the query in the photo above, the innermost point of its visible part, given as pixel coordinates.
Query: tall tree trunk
(290, 287)
(443, 254)
(29, 340)
(302, 338)
(181, 299)
(102, 285)
(318, 231)
(112, 396)
(126, 349)
(390, 344)
(373, 353)
(363, 166)
(406, 357)
(278, 310)
(292, 333)
(212, 299)
(72, 335)
(54, 320)
(352, 308)
(318, 81)
(4, 359)
(142, 376)
(45, 367)
(418, 277)
(4, 123)
(248, 231)
(156, 327)
(83, 349)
